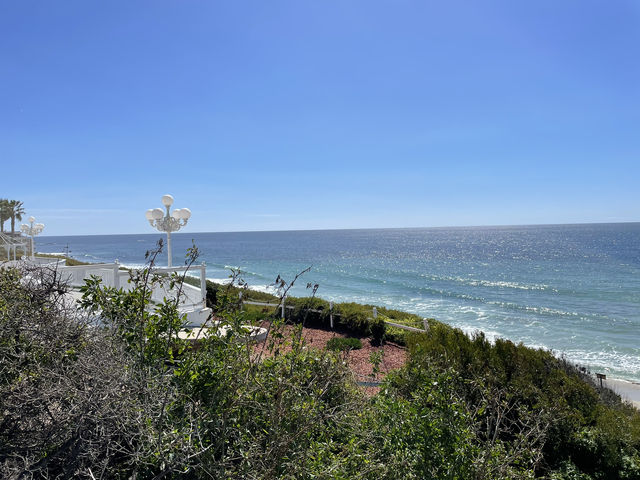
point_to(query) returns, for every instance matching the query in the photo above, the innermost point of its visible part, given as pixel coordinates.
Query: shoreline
(629, 391)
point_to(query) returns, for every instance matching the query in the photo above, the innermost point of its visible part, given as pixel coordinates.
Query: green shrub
(341, 344)
(583, 434)
(398, 316)
(256, 313)
(396, 335)
(353, 318)
(377, 328)
(350, 317)
(215, 291)
(308, 310)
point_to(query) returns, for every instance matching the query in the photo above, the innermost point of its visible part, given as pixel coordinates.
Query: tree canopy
(10, 210)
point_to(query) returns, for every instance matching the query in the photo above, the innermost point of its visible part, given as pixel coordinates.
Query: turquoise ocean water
(574, 289)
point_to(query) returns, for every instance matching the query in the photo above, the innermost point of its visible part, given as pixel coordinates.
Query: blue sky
(278, 115)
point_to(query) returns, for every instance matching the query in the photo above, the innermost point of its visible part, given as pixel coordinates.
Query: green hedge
(592, 431)
(349, 317)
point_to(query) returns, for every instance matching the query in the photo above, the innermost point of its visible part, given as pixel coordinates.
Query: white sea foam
(221, 281)
(490, 335)
(539, 310)
(264, 288)
(476, 282)
(606, 361)
(258, 288)
(503, 284)
(134, 266)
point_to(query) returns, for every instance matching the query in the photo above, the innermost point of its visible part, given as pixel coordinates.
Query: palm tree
(5, 212)
(17, 210)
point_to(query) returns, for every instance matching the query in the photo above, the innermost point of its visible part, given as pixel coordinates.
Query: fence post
(425, 323)
(203, 283)
(375, 312)
(240, 299)
(116, 274)
(331, 314)
(282, 306)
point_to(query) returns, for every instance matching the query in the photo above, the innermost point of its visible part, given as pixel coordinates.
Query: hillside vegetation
(111, 392)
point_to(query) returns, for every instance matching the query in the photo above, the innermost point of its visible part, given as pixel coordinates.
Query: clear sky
(278, 115)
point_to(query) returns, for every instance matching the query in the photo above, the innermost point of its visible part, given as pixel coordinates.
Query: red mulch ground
(393, 355)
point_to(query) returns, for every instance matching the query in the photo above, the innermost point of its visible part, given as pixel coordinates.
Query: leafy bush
(399, 316)
(341, 344)
(377, 329)
(127, 399)
(583, 431)
(311, 311)
(353, 318)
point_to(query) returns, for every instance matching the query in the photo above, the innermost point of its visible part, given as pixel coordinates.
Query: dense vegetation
(122, 397)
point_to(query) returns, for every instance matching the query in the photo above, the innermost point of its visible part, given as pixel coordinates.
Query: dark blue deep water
(574, 289)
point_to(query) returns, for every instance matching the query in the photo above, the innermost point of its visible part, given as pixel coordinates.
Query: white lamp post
(32, 230)
(168, 222)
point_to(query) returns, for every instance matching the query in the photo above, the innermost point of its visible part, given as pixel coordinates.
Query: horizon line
(443, 227)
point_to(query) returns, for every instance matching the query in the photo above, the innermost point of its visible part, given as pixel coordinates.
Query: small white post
(425, 323)
(116, 274)
(375, 312)
(203, 283)
(240, 299)
(282, 306)
(331, 315)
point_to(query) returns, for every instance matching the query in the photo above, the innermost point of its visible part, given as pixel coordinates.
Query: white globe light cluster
(32, 230)
(166, 221)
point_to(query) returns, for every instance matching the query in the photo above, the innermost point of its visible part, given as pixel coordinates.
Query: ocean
(573, 289)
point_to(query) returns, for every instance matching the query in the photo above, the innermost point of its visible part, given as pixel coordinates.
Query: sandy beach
(627, 390)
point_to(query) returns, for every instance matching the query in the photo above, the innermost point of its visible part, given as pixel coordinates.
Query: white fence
(193, 300)
(112, 276)
(192, 296)
(109, 273)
